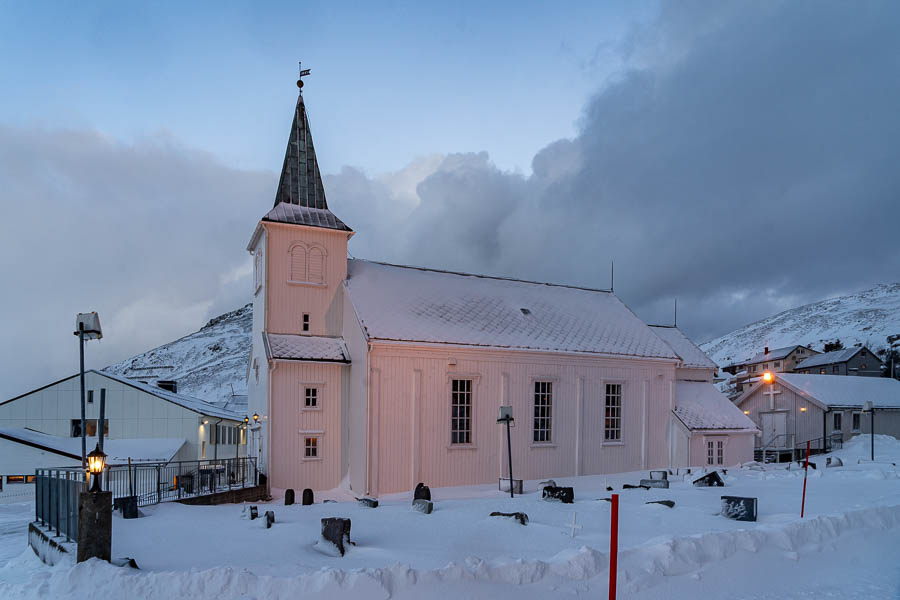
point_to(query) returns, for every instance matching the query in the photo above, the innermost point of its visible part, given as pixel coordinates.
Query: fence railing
(56, 490)
(56, 499)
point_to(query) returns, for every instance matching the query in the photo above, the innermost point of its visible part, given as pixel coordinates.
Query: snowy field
(848, 546)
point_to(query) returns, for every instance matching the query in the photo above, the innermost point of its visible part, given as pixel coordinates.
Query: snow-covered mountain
(866, 317)
(207, 364)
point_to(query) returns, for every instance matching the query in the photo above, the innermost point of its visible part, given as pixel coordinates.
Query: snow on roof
(117, 451)
(691, 354)
(776, 354)
(424, 305)
(703, 406)
(195, 404)
(845, 390)
(829, 358)
(305, 347)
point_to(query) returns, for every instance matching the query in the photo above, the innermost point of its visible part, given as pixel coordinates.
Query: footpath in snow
(846, 547)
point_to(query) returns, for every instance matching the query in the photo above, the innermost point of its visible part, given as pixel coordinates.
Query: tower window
(311, 447)
(305, 321)
(311, 398)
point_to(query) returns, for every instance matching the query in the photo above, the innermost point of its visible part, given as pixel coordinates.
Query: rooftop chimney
(766, 352)
(170, 385)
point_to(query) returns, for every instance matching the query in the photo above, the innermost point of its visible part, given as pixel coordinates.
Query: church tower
(297, 358)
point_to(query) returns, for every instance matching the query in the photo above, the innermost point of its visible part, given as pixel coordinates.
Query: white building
(41, 428)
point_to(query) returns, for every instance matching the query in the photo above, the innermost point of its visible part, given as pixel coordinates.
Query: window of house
(837, 421)
(305, 321)
(720, 452)
(835, 369)
(257, 270)
(90, 396)
(298, 262)
(765, 365)
(612, 430)
(862, 367)
(310, 447)
(753, 368)
(461, 411)
(715, 452)
(90, 427)
(543, 411)
(15, 479)
(856, 418)
(776, 364)
(822, 371)
(311, 397)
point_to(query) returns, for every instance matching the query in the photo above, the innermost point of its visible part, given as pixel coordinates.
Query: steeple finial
(303, 73)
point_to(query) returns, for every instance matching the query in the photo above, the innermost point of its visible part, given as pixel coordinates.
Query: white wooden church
(375, 376)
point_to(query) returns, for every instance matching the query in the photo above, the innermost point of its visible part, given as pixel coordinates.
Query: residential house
(778, 360)
(857, 360)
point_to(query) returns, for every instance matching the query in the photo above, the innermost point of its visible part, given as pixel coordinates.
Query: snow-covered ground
(847, 546)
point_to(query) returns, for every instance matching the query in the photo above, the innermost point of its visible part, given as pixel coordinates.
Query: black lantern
(255, 417)
(96, 462)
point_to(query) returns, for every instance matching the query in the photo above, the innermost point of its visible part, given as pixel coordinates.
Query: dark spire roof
(300, 198)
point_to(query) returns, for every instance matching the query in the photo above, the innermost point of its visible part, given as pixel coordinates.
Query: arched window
(298, 262)
(316, 265)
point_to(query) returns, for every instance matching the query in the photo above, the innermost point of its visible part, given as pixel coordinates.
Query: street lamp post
(87, 327)
(869, 406)
(506, 417)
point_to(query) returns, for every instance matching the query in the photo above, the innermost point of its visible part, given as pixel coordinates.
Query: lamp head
(255, 417)
(767, 377)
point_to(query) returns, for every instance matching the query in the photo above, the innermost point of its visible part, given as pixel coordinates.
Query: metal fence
(56, 490)
(56, 499)
(153, 483)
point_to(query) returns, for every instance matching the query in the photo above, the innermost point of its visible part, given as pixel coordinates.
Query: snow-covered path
(846, 547)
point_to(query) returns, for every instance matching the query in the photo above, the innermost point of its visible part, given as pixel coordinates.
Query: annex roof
(844, 390)
(691, 355)
(829, 358)
(413, 304)
(118, 451)
(701, 406)
(305, 347)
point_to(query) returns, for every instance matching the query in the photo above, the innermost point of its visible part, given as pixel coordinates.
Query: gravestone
(566, 495)
(812, 465)
(548, 483)
(124, 561)
(503, 486)
(628, 486)
(711, 479)
(270, 518)
(655, 483)
(288, 496)
(659, 475)
(307, 497)
(368, 502)
(423, 506)
(834, 462)
(422, 492)
(739, 509)
(128, 505)
(337, 531)
(518, 516)
(669, 503)
(329, 501)
(253, 513)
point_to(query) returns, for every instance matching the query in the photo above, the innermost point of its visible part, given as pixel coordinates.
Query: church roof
(702, 406)
(413, 304)
(289, 346)
(300, 198)
(691, 355)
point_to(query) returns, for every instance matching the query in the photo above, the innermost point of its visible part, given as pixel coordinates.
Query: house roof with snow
(831, 391)
(776, 354)
(701, 406)
(305, 347)
(413, 304)
(691, 355)
(195, 404)
(833, 357)
(118, 451)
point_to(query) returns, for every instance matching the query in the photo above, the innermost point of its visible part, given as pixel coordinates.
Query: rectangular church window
(311, 447)
(311, 397)
(543, 411)
(612, 431)
(461, 411)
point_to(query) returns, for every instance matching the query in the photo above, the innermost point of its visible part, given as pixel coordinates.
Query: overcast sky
(741, 157)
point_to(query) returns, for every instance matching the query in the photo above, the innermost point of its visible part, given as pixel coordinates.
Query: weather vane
(303, 73)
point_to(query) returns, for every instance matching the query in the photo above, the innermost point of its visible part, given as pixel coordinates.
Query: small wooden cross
(770, 393)
(574, 525)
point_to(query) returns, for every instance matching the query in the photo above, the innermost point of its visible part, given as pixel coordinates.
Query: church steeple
(300, 186)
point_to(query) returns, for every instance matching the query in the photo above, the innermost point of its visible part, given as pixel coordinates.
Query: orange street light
(767, 377)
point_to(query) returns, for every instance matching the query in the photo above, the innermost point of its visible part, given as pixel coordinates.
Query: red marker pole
(613, 545)
(805, 471)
